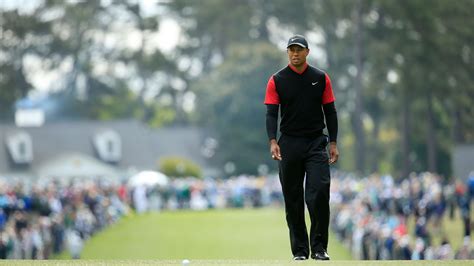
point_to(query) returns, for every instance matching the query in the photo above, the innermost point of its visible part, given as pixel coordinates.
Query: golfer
(305, 98)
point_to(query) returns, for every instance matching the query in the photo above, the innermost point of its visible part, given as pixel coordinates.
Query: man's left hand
(333, 153)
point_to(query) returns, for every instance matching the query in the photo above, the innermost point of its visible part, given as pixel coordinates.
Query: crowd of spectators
(198, 194)
(370, 215)
(380, 219)
(38, 220)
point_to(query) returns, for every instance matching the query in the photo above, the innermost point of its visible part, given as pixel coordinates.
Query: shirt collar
(296, 70)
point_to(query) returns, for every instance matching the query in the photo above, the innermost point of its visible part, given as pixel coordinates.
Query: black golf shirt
(302, 96)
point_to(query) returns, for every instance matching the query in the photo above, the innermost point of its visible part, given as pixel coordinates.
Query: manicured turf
(219, 234)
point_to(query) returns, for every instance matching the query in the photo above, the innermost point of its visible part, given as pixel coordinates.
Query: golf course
(214, 237)
(219, 234)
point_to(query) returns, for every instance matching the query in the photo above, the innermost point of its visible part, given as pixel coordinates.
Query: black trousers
(305, 157)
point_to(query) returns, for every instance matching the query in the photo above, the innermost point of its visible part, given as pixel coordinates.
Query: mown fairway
(220, 234)
(222, 237)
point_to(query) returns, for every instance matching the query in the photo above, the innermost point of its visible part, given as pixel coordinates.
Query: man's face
(297, 55)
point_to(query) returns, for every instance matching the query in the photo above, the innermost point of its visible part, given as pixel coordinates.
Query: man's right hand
(275, 150)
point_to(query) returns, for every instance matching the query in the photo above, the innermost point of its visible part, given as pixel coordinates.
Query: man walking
(305, 98)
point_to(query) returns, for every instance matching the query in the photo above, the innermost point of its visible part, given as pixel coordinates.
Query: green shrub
(179, 167)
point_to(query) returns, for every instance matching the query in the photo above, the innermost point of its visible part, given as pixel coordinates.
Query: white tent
(149, 179)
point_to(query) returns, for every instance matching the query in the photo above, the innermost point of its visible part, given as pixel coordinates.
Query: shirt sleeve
(271, 96)
(328, 94)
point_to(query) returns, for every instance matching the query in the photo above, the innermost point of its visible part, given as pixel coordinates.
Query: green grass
(219, 234)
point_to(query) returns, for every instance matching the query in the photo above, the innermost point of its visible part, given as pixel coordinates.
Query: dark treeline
(402, 71)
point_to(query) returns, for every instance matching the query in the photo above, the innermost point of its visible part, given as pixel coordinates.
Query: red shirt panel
(328, 94)
(271, 96)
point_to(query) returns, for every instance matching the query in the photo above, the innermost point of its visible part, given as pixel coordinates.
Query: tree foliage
(230, 102)
(401, 70)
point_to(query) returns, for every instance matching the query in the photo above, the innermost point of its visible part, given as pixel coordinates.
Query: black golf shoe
(300, 258)
(320, 255)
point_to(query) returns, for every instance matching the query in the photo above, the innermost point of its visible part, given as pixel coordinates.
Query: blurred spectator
(471, 185)
(466, 252)
(140, 201)
(75, 244)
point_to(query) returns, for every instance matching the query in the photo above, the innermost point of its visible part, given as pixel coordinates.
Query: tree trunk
(458, 135)
(23, 84)
(359, 110)
(375, 148)
(430, 135)
(405, 152)
(263, 31)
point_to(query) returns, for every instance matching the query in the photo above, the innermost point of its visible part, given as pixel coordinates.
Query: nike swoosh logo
(314, 83)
